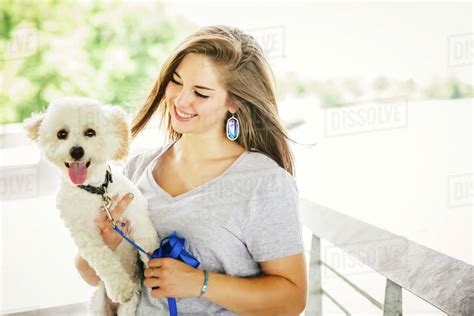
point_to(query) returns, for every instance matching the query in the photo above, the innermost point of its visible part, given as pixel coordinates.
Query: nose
(76, 153)
(183, 100)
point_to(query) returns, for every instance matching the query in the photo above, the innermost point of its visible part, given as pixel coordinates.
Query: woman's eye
(197, 93)
(174, 81)
(62, 134)
(202, 96)
(90, 133)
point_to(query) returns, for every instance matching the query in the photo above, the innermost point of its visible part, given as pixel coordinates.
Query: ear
(231, 107)
(32, 124)
(119, 121)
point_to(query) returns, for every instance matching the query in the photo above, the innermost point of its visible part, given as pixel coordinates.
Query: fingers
(121, 205)
(148, 273)
(117, 207)
(124, 226)
(102, 220)
(99, 222)
(113, 202)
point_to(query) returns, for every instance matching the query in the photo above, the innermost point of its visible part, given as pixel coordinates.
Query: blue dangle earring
(232, 128)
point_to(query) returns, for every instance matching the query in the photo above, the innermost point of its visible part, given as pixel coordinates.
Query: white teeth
(181, 114)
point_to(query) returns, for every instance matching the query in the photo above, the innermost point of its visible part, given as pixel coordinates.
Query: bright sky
(333, 40)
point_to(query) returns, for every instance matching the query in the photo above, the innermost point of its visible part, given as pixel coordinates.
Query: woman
(230, 192)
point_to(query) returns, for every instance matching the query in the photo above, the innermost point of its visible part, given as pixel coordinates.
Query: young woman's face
(195, 90)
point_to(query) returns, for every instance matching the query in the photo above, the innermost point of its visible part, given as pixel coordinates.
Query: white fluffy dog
(79, 135)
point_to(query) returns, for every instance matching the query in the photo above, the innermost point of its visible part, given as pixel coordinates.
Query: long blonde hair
(249, 81)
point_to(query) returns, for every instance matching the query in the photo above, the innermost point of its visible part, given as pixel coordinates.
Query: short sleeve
(137, 162)
(130, 166)
(126, 170)
(273, 228)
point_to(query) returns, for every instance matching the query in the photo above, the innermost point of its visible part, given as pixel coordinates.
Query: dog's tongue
(77, 172)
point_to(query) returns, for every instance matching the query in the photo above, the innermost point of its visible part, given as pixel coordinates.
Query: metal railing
(442, 281)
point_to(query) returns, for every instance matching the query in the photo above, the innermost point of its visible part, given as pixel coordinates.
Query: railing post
(315, 305)
(393, 299)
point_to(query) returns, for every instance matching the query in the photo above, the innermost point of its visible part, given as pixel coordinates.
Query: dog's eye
(90, 132)
(62, 134)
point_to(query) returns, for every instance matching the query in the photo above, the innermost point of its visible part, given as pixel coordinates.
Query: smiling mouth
(68, 165)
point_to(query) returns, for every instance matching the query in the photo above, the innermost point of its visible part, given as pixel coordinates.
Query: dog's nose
(76, 152)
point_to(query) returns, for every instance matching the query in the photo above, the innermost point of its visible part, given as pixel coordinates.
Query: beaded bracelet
(204, 286)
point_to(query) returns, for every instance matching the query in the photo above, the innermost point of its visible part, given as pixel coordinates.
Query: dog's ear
(119, 119)
(32, 124)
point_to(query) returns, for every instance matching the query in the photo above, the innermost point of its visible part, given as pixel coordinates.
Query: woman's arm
(277, 293)
(263, 295)
(86, 271)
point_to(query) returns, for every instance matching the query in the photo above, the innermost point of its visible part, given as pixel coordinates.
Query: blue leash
(174, 248)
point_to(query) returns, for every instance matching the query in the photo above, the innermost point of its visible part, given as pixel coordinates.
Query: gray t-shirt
(246, 215)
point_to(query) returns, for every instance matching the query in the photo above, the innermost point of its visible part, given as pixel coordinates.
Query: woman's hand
(110, 237)
(172, 278)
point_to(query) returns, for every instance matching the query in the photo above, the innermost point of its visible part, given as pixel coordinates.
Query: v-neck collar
(194, 190)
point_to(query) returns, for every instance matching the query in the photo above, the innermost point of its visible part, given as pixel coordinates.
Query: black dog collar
(102, 190)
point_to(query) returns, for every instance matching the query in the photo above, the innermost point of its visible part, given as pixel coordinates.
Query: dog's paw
(129, 308)
(122, 292)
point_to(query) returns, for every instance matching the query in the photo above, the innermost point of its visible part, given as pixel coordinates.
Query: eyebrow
(199, 87)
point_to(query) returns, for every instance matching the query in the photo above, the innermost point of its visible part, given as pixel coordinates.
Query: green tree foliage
(111, 51)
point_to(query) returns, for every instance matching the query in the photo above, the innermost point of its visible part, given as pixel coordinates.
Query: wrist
(205, 280)
(199, 282)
